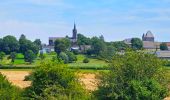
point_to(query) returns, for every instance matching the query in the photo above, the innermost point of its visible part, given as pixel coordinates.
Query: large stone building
(149, 41)
(148, 37)
(50, 47)
(73, 39)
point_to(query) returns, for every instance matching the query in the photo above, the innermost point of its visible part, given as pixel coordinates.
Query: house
(163, 54)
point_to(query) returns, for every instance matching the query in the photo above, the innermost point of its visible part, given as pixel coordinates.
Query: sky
(114, 19)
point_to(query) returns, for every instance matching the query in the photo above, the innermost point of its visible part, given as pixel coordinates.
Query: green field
(19, 63)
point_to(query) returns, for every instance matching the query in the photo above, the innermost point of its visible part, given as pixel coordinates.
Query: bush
(71, 57)
(64, 57)
(8, 91)
(76, 52)
(52, 80)
(133, 76)
(29, 56)
(86, 60)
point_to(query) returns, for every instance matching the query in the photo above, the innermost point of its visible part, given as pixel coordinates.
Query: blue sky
(115, 19)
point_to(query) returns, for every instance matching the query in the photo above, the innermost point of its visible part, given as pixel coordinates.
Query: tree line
(9, 45)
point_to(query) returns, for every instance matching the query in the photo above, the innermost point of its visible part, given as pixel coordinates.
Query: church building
(73, 39)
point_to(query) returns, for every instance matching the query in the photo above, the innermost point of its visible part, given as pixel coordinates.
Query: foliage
(82, 40)
(2, 55)
(71, 57)
(137, 44)
(42, 56)
(13, 56)
(37, 42)
(52, 80)
(8, 91)
(9, 44)
(64, 57)
(26, 45)
(163, 46)
(29, 56)
(97, 46)
(86, 60)
(52, 53)
(134, 76)
(120, 45)
(61, 45)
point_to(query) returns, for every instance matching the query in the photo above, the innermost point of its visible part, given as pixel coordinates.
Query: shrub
(29, 56)
(76, 52)
(8, 91)
(133, 76)
(64, 57)
(86, 60)
(52, 80)
(71, 57)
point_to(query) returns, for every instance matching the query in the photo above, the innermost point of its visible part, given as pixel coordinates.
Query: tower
(74, 32)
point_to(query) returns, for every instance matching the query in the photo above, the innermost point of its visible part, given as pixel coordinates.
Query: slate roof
(149, 34)
(163, 54)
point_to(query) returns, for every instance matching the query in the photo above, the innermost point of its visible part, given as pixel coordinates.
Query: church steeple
(75, 32)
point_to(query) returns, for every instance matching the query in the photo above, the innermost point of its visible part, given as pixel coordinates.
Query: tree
(26, 45)
(37, 42)
(163, 46)
(64, 57)
(137, 44)
(13, 56)
(52, 80)
(61, 45)
(82, 40)
(134, 76)
(101, 38)
(98, 46)
(2, 55)
(10, 44)
(29, 56)
(119, 45)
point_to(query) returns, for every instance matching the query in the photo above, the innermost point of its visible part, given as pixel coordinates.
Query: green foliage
(29, 56)
(52, 53)
(61, 45)
(2, 55)
(64, 57)
(9, 44)
(37, 42)
(8, 91)
(26, 45)
(163, 46)
(97, 46)
(120, 45)
(82, 40)
(137, 44)
(13, 56)
(134, 76)
(42, 56)
(86, 60)
(71, 57)
(53, 81)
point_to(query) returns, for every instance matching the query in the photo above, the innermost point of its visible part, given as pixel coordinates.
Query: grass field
(93, 63)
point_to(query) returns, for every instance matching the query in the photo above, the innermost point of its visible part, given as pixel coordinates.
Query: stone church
(73, 39)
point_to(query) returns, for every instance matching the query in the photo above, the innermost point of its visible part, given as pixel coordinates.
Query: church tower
(74, 33)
